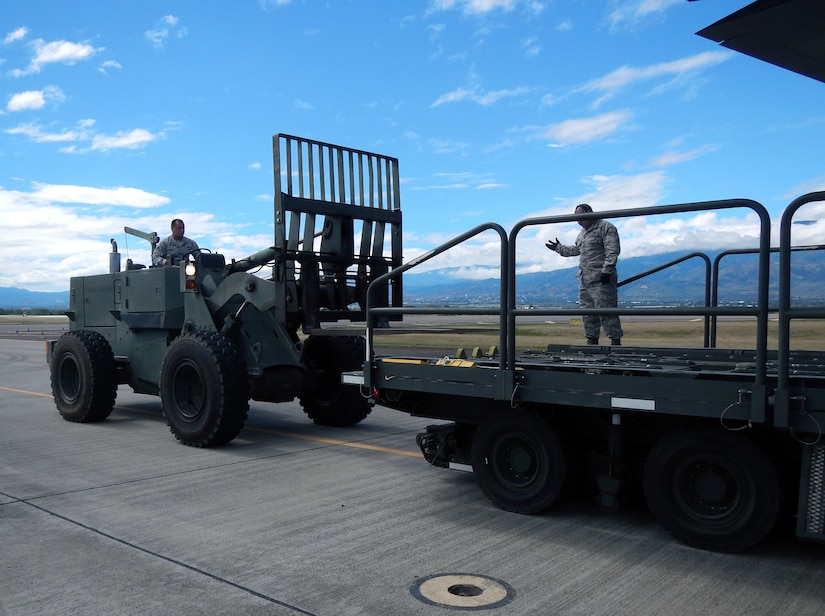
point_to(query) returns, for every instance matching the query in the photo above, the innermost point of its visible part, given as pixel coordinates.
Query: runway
(294, 518)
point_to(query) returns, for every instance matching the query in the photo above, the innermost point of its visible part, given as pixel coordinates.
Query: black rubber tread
(330, 402)
(519, 461)
(204, 389)
(713, 489)
(83, 376)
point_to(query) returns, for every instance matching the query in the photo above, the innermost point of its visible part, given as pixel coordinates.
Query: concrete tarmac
(294, 518)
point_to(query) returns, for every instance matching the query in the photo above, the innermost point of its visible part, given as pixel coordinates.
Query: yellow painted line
(332, 441)
(23, 391)
(317, 439)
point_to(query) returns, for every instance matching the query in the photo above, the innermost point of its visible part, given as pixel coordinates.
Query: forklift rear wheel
(327, 401)
(712, 489)
(519, 462)
(203, 389)
(84, 376)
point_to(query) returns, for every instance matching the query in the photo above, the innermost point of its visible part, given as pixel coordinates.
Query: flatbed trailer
(724, 444)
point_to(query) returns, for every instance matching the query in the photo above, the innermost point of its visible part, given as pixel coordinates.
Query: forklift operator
(174, 249)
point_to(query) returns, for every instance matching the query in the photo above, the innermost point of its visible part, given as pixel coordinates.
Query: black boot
(616, 341)
(592, 341)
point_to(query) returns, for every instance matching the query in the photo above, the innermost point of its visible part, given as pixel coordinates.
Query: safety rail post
(786, 312)
(714, 299)
(373, 311)
(743, 251)
(665, 266)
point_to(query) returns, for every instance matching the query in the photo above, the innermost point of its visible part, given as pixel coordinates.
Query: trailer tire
(519, 462)
(712, 489)
(327, 401)
(203, 389)
(83, 376)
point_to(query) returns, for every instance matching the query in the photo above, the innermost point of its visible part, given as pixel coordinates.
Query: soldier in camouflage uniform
(174, 249)
(597, 247)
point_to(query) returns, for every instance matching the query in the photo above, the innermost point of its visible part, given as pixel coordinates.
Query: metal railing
(508, 312)
(760, 311)
(669, 264)
(786, 311)
(501, 311)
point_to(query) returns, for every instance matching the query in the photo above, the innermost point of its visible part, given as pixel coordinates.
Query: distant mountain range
(680, 284)
(677, 285)
(12, 298)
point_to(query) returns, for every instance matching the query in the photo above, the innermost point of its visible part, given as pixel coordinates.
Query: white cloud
(166, 28)
(584, 130)
(477, 96)
(640, 235)
(35, 99)
(31, 99)
(36, 134)
(625, 76)
(130, 140)
(531, 46)
(630, 12)
(69, 239)
(673, 158)
(683, 233)
(485, 6)
(88, 195)
(56, 231)
(267, 5)
(443, 146)
(15, 35)
(471, 7)
(459, 180)
(63, 52)
(109, 65)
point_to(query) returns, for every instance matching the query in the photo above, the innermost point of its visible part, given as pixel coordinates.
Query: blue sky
(130, 113)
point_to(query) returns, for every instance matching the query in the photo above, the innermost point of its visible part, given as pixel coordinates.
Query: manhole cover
(462, 591)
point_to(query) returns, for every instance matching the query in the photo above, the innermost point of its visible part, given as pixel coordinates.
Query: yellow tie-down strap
(444, 361)
(456, 363)
(402, 360)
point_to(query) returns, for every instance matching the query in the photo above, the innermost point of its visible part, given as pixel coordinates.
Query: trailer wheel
(519, 462)
(326, 400)
(83, 376)
(712, 490)
(203, 389)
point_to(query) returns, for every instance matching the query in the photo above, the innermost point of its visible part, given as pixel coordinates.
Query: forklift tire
(327, 401)
(712, 489)
(519, 462)
(83, 376)
(204, 389)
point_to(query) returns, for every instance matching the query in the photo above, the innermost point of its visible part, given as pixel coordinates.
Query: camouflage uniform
(598, 250)
(173, 250)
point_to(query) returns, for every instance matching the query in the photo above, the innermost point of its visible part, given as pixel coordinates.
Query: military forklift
(209, 335)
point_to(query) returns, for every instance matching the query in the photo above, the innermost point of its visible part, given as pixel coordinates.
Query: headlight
(190, 269)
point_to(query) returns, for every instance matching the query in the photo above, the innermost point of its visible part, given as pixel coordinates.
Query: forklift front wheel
(84, 377)
(203, 389)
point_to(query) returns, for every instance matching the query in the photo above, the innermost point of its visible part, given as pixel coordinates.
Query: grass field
(731, 333)
(740, 334)
(37, 319)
